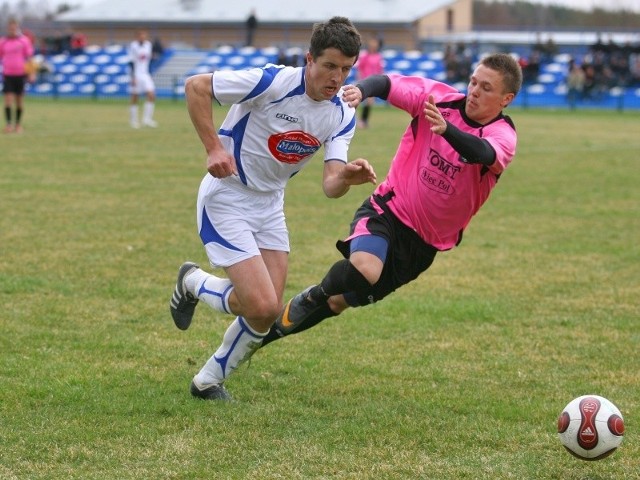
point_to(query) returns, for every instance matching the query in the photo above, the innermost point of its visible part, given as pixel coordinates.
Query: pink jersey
(15, 51)
(369, 63)
(434, 192)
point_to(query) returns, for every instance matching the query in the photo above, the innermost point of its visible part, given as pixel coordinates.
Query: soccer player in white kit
(140, 51)
(279, 118)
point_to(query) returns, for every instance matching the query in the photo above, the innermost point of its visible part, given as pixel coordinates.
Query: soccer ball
(590, 427)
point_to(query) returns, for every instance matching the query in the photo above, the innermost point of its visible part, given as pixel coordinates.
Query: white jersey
(273, 128)
(140, 56)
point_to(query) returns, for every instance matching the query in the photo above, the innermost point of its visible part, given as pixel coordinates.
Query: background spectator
(157, 50)
(369, 63)
(575, 83)
(458, 61)
(78, 43)
(530, 67)
(15, 51)
(251, 26)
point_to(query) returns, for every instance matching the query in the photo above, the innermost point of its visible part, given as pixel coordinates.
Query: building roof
(267, 11)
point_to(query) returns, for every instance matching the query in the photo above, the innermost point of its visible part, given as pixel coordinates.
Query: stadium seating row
(103, 71)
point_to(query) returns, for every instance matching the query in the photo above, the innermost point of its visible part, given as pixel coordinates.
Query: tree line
(514, 15)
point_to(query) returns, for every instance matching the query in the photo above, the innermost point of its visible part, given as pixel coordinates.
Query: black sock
(18, 115)
(315, 318)
(7, 115)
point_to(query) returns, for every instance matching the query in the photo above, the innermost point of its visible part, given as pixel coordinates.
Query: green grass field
(460, 375)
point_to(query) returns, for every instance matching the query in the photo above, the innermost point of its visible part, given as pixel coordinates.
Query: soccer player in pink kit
(15, 50)
(370, 62)
(448, 161)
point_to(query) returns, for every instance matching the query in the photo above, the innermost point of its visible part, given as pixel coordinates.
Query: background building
(205, 24)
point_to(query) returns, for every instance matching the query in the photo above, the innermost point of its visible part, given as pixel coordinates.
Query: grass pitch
(460, 375)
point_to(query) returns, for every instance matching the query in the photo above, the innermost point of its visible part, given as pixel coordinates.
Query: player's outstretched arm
(373, 86)
(339, 176)
(472, 149)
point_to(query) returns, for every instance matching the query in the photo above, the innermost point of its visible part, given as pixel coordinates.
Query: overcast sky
(583, 4)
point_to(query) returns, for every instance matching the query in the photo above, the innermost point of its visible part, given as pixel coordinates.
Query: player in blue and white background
(279, 118)
(140, 52)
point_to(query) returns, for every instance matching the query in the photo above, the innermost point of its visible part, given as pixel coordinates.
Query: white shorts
(144, 84)
(235, 222)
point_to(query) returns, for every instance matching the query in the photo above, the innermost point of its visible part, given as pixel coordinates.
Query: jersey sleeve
(410, 93)
(237, 86)
(337, 146)
(502, 137)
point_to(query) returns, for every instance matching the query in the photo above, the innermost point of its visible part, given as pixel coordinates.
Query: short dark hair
(505, 64)
(338, 32)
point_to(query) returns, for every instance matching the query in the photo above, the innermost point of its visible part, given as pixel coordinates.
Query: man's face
(12, 29)
(327, 73)
(485, 95)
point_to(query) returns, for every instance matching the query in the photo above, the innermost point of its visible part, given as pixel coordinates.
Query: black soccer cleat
(183, 303)
(212, 392)
(296, 311)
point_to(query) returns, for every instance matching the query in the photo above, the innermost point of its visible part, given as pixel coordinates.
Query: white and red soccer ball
(590, 427)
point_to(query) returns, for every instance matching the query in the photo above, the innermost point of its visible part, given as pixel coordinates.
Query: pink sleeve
(503, 139)
(411, 92)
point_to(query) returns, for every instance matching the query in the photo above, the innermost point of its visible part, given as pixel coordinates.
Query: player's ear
(506, 99)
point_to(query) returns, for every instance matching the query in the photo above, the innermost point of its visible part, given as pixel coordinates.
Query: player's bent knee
(263, 311)
(370, 267)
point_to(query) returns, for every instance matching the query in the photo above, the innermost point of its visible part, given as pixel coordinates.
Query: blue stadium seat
(68, 68)
(115, 49)
(536, 89)
(67, 88)
(102, 59)
(79, 59)
(547, 78)
(101, 79)
(90, 69)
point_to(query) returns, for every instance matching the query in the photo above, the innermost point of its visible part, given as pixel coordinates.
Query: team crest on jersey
(293, 147)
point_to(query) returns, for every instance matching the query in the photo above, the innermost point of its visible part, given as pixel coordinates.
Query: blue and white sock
(238, 344)
(212, 290)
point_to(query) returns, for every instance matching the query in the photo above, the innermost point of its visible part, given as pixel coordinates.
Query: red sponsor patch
(293, 147)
